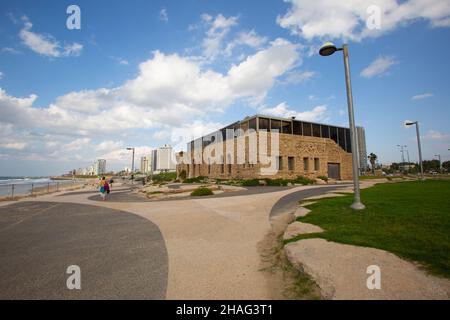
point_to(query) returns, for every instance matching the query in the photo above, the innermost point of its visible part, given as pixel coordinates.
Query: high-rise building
(146, 164)
(362, 151)
(100, 166)
(164, 159)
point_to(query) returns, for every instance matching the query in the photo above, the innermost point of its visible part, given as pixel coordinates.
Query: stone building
(246, 149)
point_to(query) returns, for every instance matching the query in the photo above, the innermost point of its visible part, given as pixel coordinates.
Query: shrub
(303, 180)
(202, 191)
(199, 179)
(164, 177)
(324, 178)
(277, 182)
(250, 182)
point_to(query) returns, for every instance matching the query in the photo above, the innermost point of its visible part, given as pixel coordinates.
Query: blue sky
(145, 73)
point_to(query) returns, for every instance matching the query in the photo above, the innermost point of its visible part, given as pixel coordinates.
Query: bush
(199, 179)
(277, 182)
(250, 182)
(164, 177)
(202, 191)
(323, 178)
(303, 180)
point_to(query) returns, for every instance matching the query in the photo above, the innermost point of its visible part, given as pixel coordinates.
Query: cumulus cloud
(219, 27)
(436, 135)
(46, 45)
(378, 67)
(332, 19)
(296, 77)
(422, 96)
(246, 38)
(163, 15)
(14, 145)
(318, 113)
(169, 90)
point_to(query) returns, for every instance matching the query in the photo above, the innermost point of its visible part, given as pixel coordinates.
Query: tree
(446, 165)
(372, 158)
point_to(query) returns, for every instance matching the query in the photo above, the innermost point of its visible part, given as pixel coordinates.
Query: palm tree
(372, 158)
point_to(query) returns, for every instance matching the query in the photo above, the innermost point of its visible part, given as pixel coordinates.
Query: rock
(296, 228)
(320, 181)
(340, 270)
(301, 212)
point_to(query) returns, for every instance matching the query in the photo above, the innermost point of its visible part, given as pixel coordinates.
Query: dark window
(275, 125)
(297, 126)
(224, 135)
(341, 135)
(252, 124)
(280, 163)
(325, 131)
(290, 163)
(229, 168)
(286, 127)
(333, 134)
(348, 141)
(263, 123)
(307, 129)
(316, 164)
(305, 164)
(316, 130)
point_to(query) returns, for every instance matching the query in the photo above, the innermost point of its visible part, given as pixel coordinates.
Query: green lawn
(410, 219)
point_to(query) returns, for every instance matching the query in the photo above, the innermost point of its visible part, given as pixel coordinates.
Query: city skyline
(164, 73)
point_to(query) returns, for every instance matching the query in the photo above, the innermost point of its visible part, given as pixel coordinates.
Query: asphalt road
(121, 255)
(289, 202)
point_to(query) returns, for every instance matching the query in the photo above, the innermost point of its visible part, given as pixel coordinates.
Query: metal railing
(10, 191)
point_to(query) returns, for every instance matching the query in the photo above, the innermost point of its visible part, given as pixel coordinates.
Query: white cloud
(169, 90)
(14, 145)
(46, 45)
(163, 16)
(1, 75)
(379, 66)
(422, 96)
(330, 19)
(10, 50)
(109, 145)
(436, 135)
(120, 60)
(246, 38)
(296, 77)
(318, 113)
(219, 27)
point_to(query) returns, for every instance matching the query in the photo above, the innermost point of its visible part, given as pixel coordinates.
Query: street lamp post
(326, 50)
(418, 145)
(132, 165)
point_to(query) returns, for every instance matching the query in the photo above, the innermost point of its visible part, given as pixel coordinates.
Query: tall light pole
(132, 165)
(403, 155)
(418, 145)
(326, 50)
(440, 162)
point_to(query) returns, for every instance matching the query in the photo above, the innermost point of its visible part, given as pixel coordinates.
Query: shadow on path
(121, 255)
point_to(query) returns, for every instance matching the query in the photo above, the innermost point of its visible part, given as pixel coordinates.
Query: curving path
(121, 255)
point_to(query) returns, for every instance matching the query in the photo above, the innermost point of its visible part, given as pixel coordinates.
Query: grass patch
(202, 191)
(410, 219)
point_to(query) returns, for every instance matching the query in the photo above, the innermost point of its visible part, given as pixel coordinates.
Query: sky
(148, 73)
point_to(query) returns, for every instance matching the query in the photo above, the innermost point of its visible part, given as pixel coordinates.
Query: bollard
(12, 191)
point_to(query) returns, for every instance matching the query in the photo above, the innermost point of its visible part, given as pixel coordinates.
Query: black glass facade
(339, 135)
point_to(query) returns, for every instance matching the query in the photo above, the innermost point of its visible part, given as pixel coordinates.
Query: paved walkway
(211, 244)
(121, 255)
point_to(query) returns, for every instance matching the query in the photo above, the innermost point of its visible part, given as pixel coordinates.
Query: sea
(23, 185)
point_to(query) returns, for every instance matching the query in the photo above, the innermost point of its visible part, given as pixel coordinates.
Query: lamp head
(409, 123)
(327, 49)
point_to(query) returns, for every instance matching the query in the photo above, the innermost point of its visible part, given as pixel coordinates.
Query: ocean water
(23, 185)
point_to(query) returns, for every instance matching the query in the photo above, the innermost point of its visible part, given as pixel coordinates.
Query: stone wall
(303, 149)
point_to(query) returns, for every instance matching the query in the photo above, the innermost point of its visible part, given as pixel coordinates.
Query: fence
(10, 191)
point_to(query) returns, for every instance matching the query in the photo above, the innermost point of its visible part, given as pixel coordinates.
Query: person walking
(102, 188)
